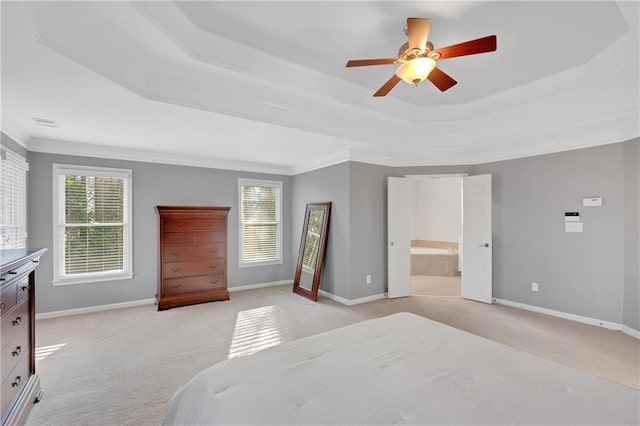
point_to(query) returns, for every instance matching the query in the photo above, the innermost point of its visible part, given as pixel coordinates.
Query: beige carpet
(426, 285)
(121, 367)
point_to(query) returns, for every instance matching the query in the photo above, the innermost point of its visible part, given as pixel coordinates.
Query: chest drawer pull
(1, 279)
(13, 273)
(214, 266)
(213, 281)
(176, 285)
(35, 261)
(16, 382)
(2, 305)
(213, 250)
(17, 321)
(24, 288)
(175, 253)
(175, 269)
(16, 351)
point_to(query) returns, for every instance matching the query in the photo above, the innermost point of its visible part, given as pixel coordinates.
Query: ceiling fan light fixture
(416, 70)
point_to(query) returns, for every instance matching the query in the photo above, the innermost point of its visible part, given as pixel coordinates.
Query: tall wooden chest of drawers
(20, 384)
(192, 258)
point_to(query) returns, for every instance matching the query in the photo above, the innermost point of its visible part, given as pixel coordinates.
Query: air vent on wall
(45, 122)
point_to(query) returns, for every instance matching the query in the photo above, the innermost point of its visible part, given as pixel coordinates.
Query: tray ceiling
(262, 85)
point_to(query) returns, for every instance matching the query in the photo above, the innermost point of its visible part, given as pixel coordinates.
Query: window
(92, 224)
(260, 216)
(13, 195)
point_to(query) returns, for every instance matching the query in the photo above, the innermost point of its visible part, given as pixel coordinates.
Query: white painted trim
(351, 302)
(630, 331)
(261, 285)
(97, 308)
(572, 317)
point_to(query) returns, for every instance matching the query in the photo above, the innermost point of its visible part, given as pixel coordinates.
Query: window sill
(94, 279)
(254, 264)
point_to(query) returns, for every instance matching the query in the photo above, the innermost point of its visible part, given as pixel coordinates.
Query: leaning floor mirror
(312, 248)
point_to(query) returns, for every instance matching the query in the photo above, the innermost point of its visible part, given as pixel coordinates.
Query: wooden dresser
(192, 259)
(20, 384)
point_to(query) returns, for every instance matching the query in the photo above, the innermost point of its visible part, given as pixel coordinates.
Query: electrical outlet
(368, 279)
(534, 287)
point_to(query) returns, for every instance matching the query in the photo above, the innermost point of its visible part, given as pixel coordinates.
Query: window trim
(271, 184)
(59, 225)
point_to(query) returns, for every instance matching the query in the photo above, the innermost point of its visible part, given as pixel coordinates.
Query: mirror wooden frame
(313, 293)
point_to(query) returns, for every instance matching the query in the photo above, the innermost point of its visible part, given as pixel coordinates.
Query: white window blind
(93, 224)
(260, 227)
(13, 194)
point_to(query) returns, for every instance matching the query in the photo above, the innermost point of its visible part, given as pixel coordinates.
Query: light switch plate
(573, 227)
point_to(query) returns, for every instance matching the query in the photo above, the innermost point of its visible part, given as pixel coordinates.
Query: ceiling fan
(417, 57)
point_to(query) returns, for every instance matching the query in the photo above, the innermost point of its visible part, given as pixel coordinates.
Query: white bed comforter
(400, 369)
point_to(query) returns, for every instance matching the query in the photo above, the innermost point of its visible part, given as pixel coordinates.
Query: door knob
(391, 243)
(484, 245)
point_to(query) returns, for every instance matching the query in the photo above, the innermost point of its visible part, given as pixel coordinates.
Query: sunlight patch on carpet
(44, 351)
(256, 329)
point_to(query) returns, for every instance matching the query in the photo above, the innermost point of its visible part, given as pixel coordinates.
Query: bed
(399, 369)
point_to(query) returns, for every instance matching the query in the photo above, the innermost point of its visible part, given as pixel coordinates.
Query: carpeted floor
(121, 367)
(429, 285)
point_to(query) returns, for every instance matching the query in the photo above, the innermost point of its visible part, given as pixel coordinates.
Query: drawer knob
(2, 305)
(24, 288)
(180, 237)
(176, 285)
(13, 273)
(213, 250)
(214, 266)
(214, 282)
(179, 224)
(17, 321)
(16, 383)
(17, 351)
(35, 261)
(175, 269)
(175, 253)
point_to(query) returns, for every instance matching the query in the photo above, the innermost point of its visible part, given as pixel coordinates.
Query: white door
(477, 277)
(398, 244)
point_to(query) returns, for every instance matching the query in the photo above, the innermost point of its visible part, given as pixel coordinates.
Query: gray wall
(579, 273)
(631, 295)
(153, 184)
(6, 141)
(327, 184)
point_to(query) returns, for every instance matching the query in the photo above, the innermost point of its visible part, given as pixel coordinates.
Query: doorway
(434, 210)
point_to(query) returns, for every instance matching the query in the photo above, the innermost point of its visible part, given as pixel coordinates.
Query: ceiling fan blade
(418, 32)
(366, 62)
(386, 88)
(471, 47)
(441, 79)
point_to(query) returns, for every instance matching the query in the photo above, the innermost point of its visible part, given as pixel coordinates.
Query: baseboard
(97, 308)
(261, 285)
(573, 317)
(352, 302)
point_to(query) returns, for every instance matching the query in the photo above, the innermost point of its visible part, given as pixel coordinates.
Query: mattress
(400, 369)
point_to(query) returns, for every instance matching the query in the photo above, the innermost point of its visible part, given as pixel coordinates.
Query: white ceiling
(262, 85)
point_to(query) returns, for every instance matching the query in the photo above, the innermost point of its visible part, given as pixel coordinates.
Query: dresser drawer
(188, 252)
(15, 323)
(176, 224)
(14, 382)
(8, 298)
(23, 288)
(194, 267)
(178, 286)
(12, 353)
(192, 237)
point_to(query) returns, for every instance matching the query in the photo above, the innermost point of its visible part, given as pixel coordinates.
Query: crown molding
(51, 146)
